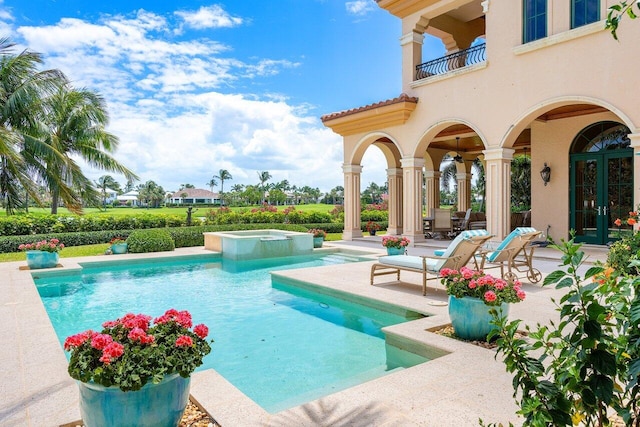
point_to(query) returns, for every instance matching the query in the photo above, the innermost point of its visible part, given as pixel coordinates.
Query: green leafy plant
(158, 240)
(372, 226)
(622, 252)
(476, 284)
(617, 12)
(585, 367)
(129, 352)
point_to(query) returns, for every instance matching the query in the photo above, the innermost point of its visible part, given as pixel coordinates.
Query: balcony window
(534, 20)
(584, 12)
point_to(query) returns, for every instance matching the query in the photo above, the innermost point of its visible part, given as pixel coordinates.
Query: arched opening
(601, 182)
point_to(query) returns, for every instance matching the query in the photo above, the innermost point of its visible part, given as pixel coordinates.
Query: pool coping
(448, 389)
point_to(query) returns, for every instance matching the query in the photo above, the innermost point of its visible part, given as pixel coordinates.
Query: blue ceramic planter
(395, 251)
(317, 242)
(119, 248)
(154, 405)
(470, 317)
(42, 259)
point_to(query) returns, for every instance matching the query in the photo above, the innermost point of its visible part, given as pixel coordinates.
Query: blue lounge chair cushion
(452, 246)
(408, 261)
(491, 256)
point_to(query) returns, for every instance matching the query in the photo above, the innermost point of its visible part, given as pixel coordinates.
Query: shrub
(142, 241)
(582, 369)
(622, 252)
(374, 215)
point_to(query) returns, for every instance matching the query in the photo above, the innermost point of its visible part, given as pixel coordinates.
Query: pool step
(340, 258)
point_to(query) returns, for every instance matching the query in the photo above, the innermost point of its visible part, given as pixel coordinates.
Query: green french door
(602, 191)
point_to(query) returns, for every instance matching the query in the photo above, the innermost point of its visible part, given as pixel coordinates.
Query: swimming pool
(280, 345)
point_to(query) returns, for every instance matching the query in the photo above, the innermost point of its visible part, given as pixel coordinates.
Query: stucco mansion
(541, 77)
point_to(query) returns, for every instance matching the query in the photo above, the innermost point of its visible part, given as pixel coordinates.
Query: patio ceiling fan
(457, 158)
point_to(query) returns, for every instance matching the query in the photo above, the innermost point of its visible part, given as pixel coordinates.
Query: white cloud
(174, 124)
(360, 7)
(209, 17)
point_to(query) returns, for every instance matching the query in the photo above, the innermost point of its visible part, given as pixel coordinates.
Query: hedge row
(182, 236)
(46, 224)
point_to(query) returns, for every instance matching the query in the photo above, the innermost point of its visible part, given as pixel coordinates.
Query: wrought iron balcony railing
(463, 58)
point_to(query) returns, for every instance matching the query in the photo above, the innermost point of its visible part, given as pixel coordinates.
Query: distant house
(194, 196)
(129, 198)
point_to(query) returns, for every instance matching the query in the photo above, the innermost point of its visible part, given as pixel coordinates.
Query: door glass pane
(620, 193)
(586, 186)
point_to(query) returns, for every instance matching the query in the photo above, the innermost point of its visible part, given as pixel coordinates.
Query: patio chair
(459, 252)
(462, 224)
(442, 224)
(515, 253)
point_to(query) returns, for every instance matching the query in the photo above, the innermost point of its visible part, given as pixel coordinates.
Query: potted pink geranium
(42, 254)
(396, 245)
(472, 294)
(137, 370)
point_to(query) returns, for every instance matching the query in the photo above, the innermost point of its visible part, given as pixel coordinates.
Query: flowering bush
(631, 220)
(129, 353)
(52, 245)
(395, 242)
(117, 241)
(373, 226)
(472, 283)
(317, 232)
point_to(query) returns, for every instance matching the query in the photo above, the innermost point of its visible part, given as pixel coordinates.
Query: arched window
(601, 136)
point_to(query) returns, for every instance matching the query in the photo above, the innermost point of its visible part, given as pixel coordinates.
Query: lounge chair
(459, 252)
(514, 253)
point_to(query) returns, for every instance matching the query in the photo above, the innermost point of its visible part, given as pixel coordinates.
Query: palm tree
(223, 175)
(212, 183)
(104, 183)
(22, 88)
(263, 177)
(74, 126)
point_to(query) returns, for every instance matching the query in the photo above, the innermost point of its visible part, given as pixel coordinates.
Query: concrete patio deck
(455, 389)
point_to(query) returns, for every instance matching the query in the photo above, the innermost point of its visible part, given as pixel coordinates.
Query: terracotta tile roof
(402, 98)
(195, 193)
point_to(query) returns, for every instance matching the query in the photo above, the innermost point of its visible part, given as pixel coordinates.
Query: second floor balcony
(455, 61)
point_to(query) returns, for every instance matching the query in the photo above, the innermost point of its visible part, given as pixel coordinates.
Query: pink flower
(472, 284)
(21, 247)
(184, 341)
(112, 351)
(110, 324)
(521, 294)
(201, 330)
(136, 334)
(101, 341)
(500, 284)
(77, 340)
(490, 296)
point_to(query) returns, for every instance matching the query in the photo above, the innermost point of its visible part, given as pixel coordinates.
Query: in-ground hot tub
(252, 244)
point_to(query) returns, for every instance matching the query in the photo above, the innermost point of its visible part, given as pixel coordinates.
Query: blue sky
(194, 86)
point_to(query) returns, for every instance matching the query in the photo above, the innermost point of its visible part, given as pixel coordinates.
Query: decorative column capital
(413, 162)
(411, 37)
(432, 174)
(498, 154)
(394, 172)
(347, 168)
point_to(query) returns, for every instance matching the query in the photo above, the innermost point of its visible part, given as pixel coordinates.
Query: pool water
(280, 345)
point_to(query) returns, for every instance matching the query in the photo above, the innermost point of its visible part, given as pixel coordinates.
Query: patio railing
(460, 59)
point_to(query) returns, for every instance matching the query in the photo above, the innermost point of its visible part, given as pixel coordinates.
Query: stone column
(394, 180)
(498, 190)
(635, 144)
(464, 190)
(411, 44)
(412, 192)
(432, 190)
(351, 201)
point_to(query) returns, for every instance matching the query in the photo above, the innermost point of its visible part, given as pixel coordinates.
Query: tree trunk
(54, 202)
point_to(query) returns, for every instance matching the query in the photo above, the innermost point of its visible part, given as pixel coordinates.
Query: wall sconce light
(545, 173)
